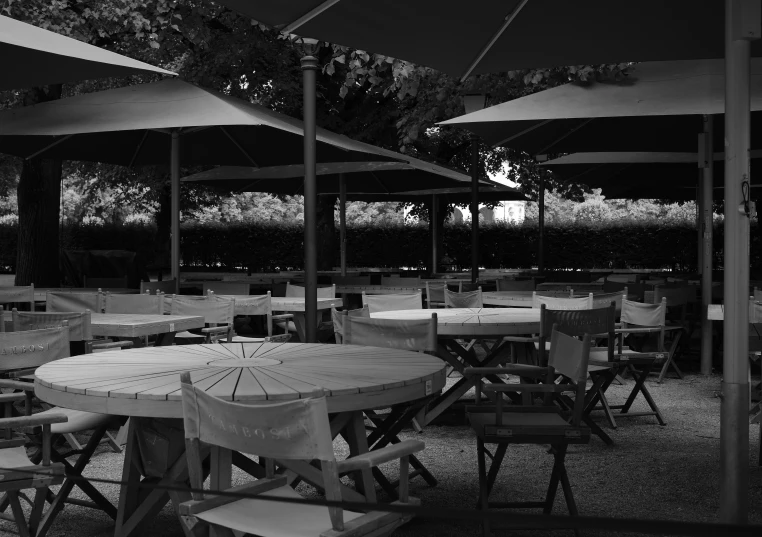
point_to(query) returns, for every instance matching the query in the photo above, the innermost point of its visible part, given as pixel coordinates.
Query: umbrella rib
(60, 140)
(508, 20)
(138, 149)
(522, 133)
(240, 148)
(307, 17)
(571, 131)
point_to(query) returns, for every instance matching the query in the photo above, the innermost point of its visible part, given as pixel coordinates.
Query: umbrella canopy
(36, 57)
(486, 36)
(382, 178)
(132, 126)
(657, 109)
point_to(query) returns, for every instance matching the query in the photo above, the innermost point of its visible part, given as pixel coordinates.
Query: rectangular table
(135, 325)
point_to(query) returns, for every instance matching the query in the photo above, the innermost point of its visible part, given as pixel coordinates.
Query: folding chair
(258, 305)
(679, 300)
(165, 286)
(114, 282)
(435, 294)
(61, 301)
(378, 303)
(469, 299)
(18, 295)
(203, 414)
(298, 291)
(227, 288)
(338, 320)
(414, 335)
(142, 304)
(218, 314)
(559, 303)
(506, 284)
(53, 344)
(527, 423)
(603, 300)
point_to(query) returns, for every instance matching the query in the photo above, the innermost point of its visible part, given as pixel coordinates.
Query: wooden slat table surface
(145, 382)
(510, 299)
(474, 322)
(134, 325)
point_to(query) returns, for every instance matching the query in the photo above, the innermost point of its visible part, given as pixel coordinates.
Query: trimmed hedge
(269, 246)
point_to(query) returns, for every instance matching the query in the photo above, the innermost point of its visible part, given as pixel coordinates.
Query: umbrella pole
(541, 227)
(474, 208)
(174, 168)
(706, 230)
(741, 24)
(343, 222)
(434, 217)
(309, 74)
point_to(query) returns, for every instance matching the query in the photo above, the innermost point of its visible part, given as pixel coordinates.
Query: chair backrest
(338, 320)
(378, 303)
(351, 280)
(470, 299)
(32, 348)
(639, 314)
(120, 282)
(215, 310)
(506, 284)
(467, 287)
(435, 292)
(409, 335)
(604, 299)
(401, 282)
(577, 323)
(252, 305)
(144, 304)
(61, 301)
(558, 303)
(79, 322)
(227, 288)
(296, 291)
(17, 295)
(561, 293)
(569, 356)
(165, 286)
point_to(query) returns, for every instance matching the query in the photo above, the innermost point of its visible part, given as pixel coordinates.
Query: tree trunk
(163, 229)
(326, 232)
(39, 197)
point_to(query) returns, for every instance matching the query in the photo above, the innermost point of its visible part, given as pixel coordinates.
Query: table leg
(355, 436)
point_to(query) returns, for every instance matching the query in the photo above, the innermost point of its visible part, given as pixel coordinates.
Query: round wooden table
(145, 384)
(473, 322)
(470, 323)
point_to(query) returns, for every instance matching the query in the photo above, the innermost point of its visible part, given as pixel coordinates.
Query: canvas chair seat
(273, 519)
(16, 458)
(79, 420)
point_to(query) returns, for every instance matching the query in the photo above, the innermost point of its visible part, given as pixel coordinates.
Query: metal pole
(174, 171)
(434, 216)
(474, 208)
(541, 228)
(706, 237)
(309, 74)
(343, 222)
(699, 216)
(734, 428)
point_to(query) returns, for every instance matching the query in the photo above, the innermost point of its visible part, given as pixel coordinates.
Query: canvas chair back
(215, 310)
(470, 299)
(401, 282)
(165, 286)
(639, 314)
(61, 301)
(116, 282)
(252, 305)
(410, 335)
(227, 288)
(757, 294)
(577, 323)
(338, 320)
(379, 303)
(297, 291)
(559, 303)
(33, 348)
(506, 284)
(79, 323)
(605, 299)
(560, 293)
(143, 304)
(18, 295)
(569, 356)
(435, 292)
(351, 280)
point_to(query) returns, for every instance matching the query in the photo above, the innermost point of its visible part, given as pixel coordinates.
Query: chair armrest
(380, 456)
(22, 373)
(283, 316)
(215, 329)
(674, 327)
(547, 388)
(17, 385)
(12, 397)
(194, 507)
(520, 339)
(280, 338)
(35, 420)
(113, 345)
(635, 357)
(523, 370)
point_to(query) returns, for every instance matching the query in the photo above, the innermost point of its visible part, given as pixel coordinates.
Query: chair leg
(40, 496)
(483, 503)
(550, 496)
(18, 513)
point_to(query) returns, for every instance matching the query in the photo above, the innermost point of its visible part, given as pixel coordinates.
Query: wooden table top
(377, 289)
(463, 322)
(146, 382)
(139, 324)
(512, 299)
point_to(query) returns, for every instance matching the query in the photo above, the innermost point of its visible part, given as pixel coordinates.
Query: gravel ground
(651, 472)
